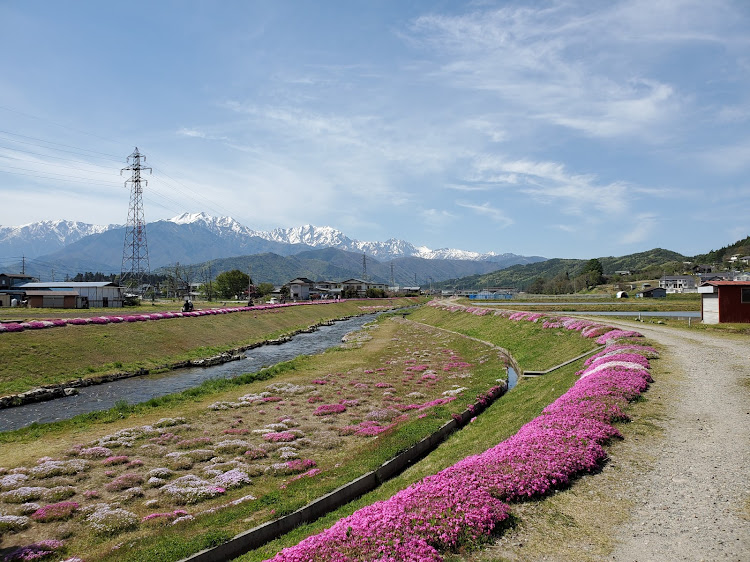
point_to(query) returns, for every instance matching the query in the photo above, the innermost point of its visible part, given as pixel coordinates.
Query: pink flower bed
(101, 320)
(462, 504)
(329, 409)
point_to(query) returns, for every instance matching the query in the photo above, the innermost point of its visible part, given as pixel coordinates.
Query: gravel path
(694, 504)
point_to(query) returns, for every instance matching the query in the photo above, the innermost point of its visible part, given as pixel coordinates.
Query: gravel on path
(694, 504)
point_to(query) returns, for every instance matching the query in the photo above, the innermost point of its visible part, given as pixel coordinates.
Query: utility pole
(393, 283)
(364, 266)
(23, 265)
(135, 267)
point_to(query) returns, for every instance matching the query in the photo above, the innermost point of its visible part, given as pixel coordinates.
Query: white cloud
(583, 66)
(485, 209)
(436, 218)
(728, 159)
(643, 226)
(549, 182)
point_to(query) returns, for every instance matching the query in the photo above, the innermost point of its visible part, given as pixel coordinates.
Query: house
(59, 294)
(654, 293)
(299, 288)
(357, 285)
(725, 301)
(10, 280)
(623, 272)
(678, 283)
(328, 289)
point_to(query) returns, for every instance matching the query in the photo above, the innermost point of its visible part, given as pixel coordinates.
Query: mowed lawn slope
(34, 358)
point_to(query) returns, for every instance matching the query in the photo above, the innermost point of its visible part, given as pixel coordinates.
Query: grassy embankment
(535, 349)
(672, 303)
(37, 357)
(524, 340)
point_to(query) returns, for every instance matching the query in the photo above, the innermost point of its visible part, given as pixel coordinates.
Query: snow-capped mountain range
(45, 237)
(328, 237)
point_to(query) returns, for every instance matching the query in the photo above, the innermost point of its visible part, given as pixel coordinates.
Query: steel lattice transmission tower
(135, 266)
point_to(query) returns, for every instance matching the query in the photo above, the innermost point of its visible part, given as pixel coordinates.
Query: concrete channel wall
(254, 538)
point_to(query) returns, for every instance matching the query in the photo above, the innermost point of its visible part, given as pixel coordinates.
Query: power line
(108, 172)
(57, 124)
(71, 178)
(57, 143)
(45, 155)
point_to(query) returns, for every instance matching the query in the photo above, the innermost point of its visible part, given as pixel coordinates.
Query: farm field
(33, 358)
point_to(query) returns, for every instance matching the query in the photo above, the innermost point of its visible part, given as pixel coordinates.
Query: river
(140, 389)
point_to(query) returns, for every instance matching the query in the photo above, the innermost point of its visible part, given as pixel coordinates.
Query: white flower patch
(454, 392)
(191, 489)
(170, 422)
(155, 482)
(288, 453)
(289, 388)
(200, 455)
(609, 365)
(24, 494)
(50, 468)
(11, 481)
(234, 478)
(107, 520)
(160, 472)
(13, 523)
(232, 445)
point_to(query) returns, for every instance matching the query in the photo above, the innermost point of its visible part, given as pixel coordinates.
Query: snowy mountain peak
(43, 237)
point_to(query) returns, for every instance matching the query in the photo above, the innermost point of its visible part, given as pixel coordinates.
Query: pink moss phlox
(329, 409)
(279, 436)
(462, 504)
(167, 516)
(55, 512)
(617, 334)
(114, 460)
(36, 551)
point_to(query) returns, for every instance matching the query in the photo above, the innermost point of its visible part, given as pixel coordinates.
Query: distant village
(724, 294)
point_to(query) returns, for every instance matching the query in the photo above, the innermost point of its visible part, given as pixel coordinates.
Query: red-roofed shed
(725, 301)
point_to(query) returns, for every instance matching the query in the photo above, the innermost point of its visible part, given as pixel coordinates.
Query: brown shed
(725, 301)
(52, 299)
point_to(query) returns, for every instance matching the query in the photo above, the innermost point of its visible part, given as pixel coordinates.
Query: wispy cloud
(643, 226)
(436, 217)
(572, 64)
(487, 210)
(550, 182)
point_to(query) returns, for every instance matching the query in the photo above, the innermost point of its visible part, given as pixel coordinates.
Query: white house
(678, 283)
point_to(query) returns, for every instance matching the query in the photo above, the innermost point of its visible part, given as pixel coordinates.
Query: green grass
(496, 424)
(39, 357)
(534, 347)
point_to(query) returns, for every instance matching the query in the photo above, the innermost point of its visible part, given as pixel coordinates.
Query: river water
(140, 389)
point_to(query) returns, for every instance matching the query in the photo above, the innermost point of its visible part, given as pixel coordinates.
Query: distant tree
(350, 292)
(373, 293)
(232, 284)
(264, 289)
(285, 292)
(537, 287)
(593, 272)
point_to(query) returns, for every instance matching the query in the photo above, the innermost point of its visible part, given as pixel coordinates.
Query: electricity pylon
(135, 267)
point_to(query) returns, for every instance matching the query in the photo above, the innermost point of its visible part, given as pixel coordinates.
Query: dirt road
(695, 503)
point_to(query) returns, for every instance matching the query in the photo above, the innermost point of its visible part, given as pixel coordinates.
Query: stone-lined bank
(69, 388)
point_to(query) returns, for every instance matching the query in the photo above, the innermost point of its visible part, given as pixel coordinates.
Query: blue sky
(558, 128)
